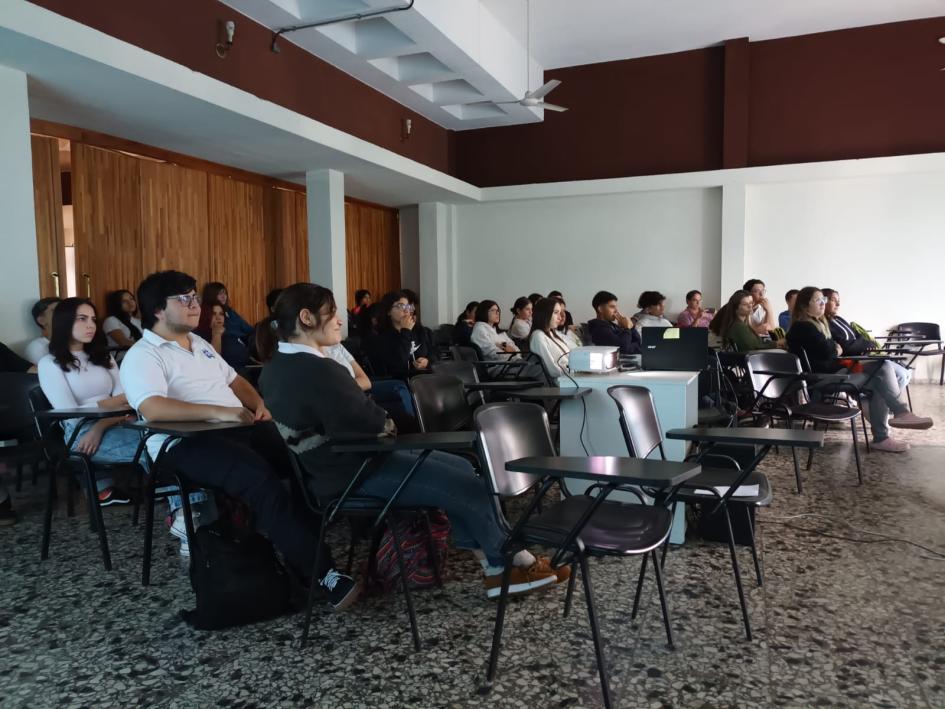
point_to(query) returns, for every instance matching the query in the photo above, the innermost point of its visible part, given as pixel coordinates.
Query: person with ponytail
(521, 326)
(122, 325)
(732, 324)
(313, 399)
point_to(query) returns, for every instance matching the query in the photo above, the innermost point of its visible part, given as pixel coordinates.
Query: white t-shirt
(758, 315)
(37, 349)
(520, 329)
(647, 320)
(487, 339)
(85, 386)
(112, 323)
(552, 352)
(341, 355)
(158, 367)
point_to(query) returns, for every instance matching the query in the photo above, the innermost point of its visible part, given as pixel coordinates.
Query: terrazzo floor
(837, 623)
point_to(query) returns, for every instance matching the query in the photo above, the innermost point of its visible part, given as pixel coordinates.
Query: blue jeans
(885, 388)
(449, 483)
(118, 446)
(392, 393)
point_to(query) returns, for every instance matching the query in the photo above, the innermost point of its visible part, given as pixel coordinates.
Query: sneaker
(178, 526)
(112, 496)
(890, 445)
(562, 573)
(7, 515)
(907, 419)
(185, 547)
(521, 581)
(342, 590)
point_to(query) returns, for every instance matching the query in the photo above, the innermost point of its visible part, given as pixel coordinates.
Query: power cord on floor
(883, 538)
(564, 371)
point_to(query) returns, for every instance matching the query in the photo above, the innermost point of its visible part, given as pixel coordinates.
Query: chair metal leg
(350, 560)
(595, 630)
(737, 572)
(19, 475)
(405, 584)
(570, 594)
(754, 550)
(499, 621)
(148, 532)
(866, 436)
(636, 597)
(47, 517)
(797, 472)
(431, 548)
(909, 397)
(313, 581)
(810, 451)
(658, 571)
(856, 452)
(96, 521)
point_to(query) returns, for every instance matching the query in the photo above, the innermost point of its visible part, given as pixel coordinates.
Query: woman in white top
(492, 343)
(79, 372)
(521, 326)
(546, 340)
(122, 326)
(763, 318)
(652, 304)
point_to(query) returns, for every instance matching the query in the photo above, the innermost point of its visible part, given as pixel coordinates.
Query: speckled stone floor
(837, 623)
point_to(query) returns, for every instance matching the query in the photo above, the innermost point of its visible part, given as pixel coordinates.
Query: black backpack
(237, 578)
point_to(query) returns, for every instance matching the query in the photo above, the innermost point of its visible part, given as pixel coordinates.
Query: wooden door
(372, 248)
(47, 203)
(107, 214)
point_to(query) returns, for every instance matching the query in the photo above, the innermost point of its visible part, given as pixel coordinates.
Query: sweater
(552, 350)
(852, 343)
(744, 339)
(608, 334)
(392, 352)
(313, 399)
(805, 336)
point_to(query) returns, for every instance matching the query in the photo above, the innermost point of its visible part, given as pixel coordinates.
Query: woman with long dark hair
(522, 312)
(732, 324)
(212, 328)
(238, 333)
(397, 350)
(546, 341)
(79, 372)
(313, 399)
(122, 325)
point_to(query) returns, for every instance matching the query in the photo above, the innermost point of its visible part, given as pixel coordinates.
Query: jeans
(885, 389)
(237, 466)
(449, 483)
(903, 376)
(392, 393)
(118, 446)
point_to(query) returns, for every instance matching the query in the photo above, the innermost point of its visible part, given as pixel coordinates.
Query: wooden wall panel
(174, 220)
(107, 214)
(286, 243)
(237, 243)
(372, 240)
(47, 203)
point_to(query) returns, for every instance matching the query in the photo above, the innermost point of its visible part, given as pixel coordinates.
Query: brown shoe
(562, 573)
(521, 581)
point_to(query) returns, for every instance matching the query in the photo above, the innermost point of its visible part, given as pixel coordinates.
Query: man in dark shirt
(610, 327)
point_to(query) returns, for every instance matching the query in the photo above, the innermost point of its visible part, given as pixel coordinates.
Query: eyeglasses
(820, 301)
(186, 300)
(406, 307)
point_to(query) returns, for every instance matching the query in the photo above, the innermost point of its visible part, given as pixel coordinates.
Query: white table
(676, 395)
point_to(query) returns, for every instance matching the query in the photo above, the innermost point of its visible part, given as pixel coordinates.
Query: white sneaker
(185, 548)
(179, 526)
(890, 445)
(907, 419)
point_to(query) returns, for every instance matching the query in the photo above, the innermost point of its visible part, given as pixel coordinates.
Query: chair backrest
(638, 421)
(462, 353)
(440, 400)
(919, 330)
(507, 431)
(48, 431)
(773, 361)
(466, 372)
(546, 375)
(16, 415)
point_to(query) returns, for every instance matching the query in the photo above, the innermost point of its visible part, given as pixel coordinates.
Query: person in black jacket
(610, 328)
(810, 334)
(398, 350)
(313, 399)
(10, 361)
(462, 330)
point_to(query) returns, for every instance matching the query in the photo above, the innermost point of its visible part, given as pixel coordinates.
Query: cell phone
(710, 310)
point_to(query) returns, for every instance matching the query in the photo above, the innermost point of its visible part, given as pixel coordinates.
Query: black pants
(245, 467)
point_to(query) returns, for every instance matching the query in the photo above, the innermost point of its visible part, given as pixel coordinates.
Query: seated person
(212, 328)
(362, 301)
(568, 320)
(784, 317)
(10, 361)
(694, 315)
(79, 372)
(271, 297)
(238, 333)
(610, 328)
(546, 341)
(731, 324)
(521, 326)
(533, 298)
(397, 350)
(42, 313)
(122, 327)
(313, 399)
(173, 375)
(421, 332)
(463, 328)
(567, 330)
(652, 304)
(810, 334)
(492, 342)
(763, 318)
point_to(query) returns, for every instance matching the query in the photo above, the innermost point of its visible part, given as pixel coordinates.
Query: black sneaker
(342, 590)
(112, 496)
(7, 515)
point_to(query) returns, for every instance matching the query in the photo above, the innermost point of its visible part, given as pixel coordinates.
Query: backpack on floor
(237, 578)
(421, 569)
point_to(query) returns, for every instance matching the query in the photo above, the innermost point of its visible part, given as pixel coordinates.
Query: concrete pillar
(435, 263)
(19, 272)
(325, 199)
(733, 238)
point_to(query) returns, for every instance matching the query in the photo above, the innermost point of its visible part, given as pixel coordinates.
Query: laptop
(675, 349)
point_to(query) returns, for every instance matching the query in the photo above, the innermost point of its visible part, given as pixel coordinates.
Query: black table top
(186, 429)
(87, 412)
(750, 436)
(609, 469)
(502, 385)
(806, 376)
(553, 393)
(458, 440)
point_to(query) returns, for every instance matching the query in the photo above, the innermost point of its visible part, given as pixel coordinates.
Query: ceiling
(449, 59)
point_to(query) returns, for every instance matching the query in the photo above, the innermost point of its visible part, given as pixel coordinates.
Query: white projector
(593, 359)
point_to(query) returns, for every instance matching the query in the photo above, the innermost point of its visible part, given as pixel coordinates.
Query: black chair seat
(819, 411)
(718, 477)
(614, 530)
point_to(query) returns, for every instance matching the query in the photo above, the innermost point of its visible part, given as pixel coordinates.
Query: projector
(593, 359)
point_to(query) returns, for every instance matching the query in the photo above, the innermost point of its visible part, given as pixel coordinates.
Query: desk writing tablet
(609, 469)
(458, 440)
(88, 412)
(552, 393)
(750, 436)
(503, 385)
(186, 429)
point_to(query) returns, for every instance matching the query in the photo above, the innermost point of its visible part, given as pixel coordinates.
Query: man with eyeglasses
(171, 374)
(763, 318)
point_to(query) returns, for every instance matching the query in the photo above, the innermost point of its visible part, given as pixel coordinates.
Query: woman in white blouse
(546, 340)
(122, 326)
(521, 326)
(492, 343)
(78, 372)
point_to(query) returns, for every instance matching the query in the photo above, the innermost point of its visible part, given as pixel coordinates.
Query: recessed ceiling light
(941, 40)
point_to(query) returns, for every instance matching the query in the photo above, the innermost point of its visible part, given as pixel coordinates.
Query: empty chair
(441, 404)
(919, 339)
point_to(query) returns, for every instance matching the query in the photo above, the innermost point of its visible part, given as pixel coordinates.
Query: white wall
(409, 248)
(626, 243)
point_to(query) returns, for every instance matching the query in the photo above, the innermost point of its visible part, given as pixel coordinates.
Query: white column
(733, 238)
(435, 263)
(19, 272)
(325, 199)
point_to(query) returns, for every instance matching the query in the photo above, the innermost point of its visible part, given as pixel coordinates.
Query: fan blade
(544, 89)
(552, 107)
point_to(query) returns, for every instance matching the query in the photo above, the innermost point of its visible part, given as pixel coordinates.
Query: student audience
(784, 317)
(763, 318)
(42, 313)
(810, 335)
(313, 400)
(694, 315)
(521, 326)
(492, 342)
(462, 331)
(238, 333)
(651, 305)
(362, 301)
(610, 328)
(397, 350)
(545, 340)
(568, 320)
(567, 330)
(122, 327)
(533, 298)
(422, 333)
(732, 325)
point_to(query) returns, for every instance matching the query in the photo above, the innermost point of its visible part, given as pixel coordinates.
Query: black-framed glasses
(186, 300)
(406, 307)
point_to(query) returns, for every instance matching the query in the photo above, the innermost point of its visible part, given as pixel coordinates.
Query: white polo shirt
(158, 367)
